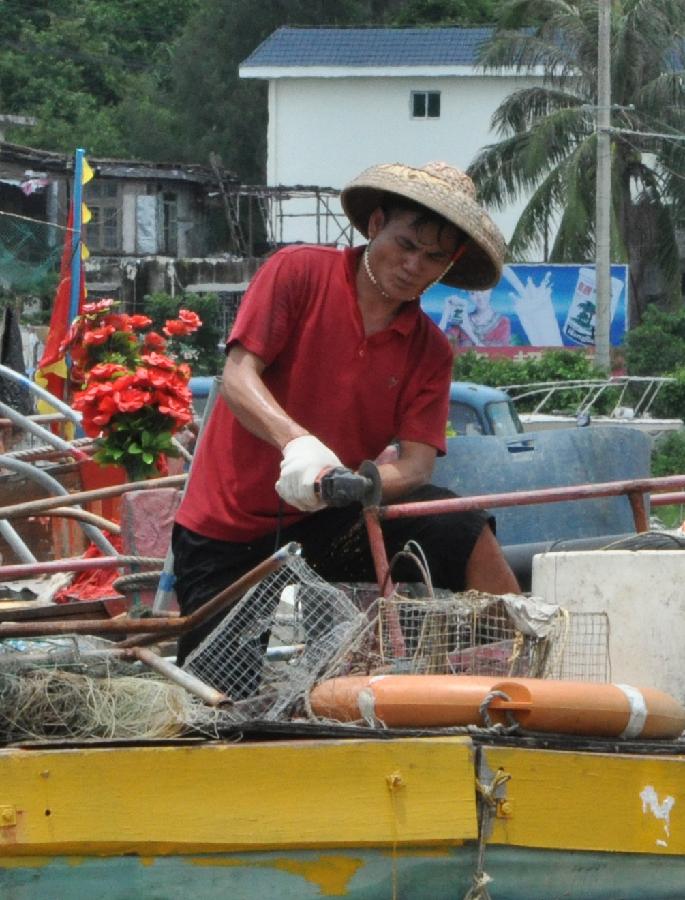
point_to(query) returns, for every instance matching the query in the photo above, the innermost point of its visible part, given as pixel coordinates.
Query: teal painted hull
(517, 874)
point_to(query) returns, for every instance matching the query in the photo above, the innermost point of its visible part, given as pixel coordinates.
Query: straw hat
(445, 190)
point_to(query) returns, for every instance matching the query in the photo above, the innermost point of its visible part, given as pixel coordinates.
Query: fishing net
(29, 251)
(71, 688)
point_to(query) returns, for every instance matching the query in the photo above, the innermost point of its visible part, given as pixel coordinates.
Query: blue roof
(369, 47)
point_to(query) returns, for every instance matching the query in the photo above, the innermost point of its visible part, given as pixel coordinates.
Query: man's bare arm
(412, 468)
(252, 403)
(256, 409)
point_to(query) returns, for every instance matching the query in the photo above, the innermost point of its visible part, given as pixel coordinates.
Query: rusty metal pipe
(639, 510)
(36, 507)
(527, 498)
(83, 515)
(383, 576)
(673, 499)
(378, 552)
(75, 564)
(159, 627)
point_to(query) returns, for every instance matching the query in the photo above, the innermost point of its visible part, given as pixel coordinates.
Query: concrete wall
(643, 594)
(130, 278)
(324, 131)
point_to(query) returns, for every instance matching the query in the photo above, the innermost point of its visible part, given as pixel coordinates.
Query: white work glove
(303, 459)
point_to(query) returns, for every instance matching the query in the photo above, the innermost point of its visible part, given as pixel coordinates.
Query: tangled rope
(48, 703)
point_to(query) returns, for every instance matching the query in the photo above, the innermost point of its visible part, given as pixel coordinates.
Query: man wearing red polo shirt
(329, 360)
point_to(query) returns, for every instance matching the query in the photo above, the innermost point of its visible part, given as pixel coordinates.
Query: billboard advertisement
(532, 306)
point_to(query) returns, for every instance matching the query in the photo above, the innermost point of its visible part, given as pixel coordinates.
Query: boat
(618, 400)
(258, 798)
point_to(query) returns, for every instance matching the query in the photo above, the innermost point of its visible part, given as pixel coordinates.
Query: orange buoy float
(563, 707)
(403, 701)
(589, 708)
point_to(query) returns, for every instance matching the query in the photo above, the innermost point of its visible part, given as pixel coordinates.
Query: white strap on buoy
(638, 711)
(366, 704)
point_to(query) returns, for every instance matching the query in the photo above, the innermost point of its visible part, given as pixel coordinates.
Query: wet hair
(394, 205)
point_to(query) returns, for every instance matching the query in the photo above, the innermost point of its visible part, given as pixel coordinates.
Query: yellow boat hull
(352, 818)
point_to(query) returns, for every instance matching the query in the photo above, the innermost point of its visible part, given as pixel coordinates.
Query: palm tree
(548, 146)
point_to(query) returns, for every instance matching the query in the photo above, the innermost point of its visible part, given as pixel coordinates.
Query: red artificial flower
(98, 306)
(175, 328)
(190, 319)
(106, 371)
(124, 382)
(139, 322)
(158, 360)
(128, 377)
(131, 399)
(171, 406)
(154, 341)
(98, 336)
(118, 321)
(142, 377)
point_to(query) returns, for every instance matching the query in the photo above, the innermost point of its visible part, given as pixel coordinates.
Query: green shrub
(668, 456)
(670, 401)
(497, 371)
(657, 346)
(553, 365)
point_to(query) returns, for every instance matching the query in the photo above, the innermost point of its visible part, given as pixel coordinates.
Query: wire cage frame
(294, 629)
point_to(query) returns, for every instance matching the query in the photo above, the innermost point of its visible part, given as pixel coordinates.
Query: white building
(342, 99)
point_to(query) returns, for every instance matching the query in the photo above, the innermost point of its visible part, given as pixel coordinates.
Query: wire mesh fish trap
(578, 648)
(469, 634)
(474, 633)
(274, 644)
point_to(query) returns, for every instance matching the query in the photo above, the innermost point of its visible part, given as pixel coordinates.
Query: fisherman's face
(406, 255)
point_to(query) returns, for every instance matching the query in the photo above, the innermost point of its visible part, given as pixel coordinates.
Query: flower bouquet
(132, 393)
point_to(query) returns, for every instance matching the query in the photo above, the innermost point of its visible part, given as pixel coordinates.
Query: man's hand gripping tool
(341, 486)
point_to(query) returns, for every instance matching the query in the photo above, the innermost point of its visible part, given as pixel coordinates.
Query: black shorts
(334, 543)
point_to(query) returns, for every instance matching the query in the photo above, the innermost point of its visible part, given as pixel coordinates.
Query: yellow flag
(86, 214)
(87, 172)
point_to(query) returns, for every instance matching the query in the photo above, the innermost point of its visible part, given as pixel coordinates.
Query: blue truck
(478, 409)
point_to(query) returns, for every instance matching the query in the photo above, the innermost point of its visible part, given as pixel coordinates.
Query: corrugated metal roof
(19, 155)
(369, 47)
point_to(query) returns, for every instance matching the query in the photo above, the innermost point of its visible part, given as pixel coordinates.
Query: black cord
(279, 525)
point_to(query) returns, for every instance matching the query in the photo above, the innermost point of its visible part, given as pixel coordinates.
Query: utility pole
(603, 188)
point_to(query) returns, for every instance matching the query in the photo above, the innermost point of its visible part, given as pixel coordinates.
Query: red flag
(51, 372)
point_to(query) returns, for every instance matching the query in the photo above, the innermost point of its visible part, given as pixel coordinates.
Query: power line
(650, 134)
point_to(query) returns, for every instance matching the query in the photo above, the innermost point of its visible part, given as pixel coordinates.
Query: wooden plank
(591, 801)
(245, 796)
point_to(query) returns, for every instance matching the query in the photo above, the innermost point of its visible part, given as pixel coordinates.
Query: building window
(102, 233)
(425, 104)
(169, 223)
